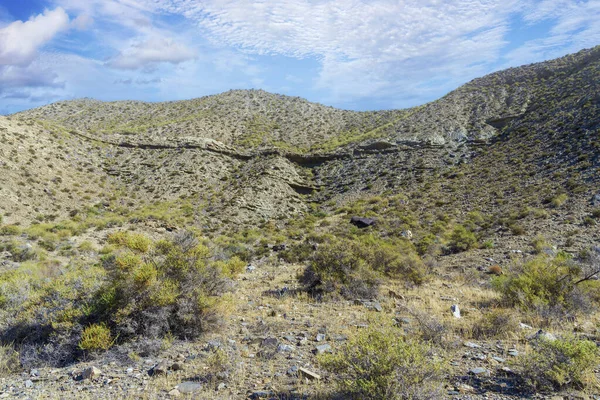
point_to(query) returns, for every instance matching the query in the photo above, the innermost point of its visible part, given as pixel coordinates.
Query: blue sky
(362, 55)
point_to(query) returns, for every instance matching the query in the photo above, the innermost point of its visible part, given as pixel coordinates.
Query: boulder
(188, 387)
(91, 373)
(543, 335)
(363, 222)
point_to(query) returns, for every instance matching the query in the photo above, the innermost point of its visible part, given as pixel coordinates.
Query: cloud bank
(347, 53)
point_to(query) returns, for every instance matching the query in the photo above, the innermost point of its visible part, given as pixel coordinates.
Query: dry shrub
(379, 363)
(496, 324)
(9, 360)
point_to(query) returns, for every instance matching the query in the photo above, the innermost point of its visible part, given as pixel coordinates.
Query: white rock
(455, 310)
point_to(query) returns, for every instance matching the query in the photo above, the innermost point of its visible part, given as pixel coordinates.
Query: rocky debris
(471, 345)
(188, 387)
(455, 310)
(162, 368)
(261, 394)
(377, 145)
(542, 335)
(371, 305)
(28, 383)
(322, 349)
(320, 337)
(90, 373)
(310, 375)
(513, 352)
(480, 371)
(362, 222)
(292, 371)
(213, 345)
(277, 247)
(407, 234)
(285, 348)
(595, 201)
(250, 268)
(524, 326)
(174, 393)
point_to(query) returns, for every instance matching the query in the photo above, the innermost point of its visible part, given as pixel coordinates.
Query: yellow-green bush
(560, 363)
(9, 230)
(558, 200)
(543, 283)
(96, 337)
(380, 363)
(232, 267)
(9, 360)
(133, 241)
(170, 290)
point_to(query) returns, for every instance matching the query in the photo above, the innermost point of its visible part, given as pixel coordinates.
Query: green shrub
(544, 283)
(461, 239)
(232, 267)
(379, 363)
(558, 200)
(557, 364)
(427, 243)
(10, 230)
(86, 246)
(336, 267)
(96, 337)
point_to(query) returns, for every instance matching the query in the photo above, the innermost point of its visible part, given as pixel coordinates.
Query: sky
(351, 54)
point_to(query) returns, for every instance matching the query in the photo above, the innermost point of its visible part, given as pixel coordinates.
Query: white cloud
(365, 48)
(20, 41)
(82, 22)
(150, 52)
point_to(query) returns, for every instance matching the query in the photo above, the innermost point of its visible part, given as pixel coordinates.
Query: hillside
(209, 241)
